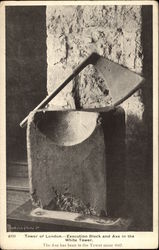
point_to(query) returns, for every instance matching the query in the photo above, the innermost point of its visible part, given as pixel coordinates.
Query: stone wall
(115, 32)
(74, 32)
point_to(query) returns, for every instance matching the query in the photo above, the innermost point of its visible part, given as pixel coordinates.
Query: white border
(143, 240)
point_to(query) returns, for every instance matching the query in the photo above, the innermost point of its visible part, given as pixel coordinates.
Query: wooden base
(22, 220)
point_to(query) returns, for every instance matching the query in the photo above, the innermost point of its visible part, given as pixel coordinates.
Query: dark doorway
(26, 72)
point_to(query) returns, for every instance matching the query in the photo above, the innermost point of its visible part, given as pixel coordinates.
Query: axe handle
(92, 59)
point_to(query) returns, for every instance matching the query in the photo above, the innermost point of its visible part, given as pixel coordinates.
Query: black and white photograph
(79, 121)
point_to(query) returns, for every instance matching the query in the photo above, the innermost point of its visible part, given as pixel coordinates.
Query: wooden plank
(22, 216)
(18, 184)
(17, 169)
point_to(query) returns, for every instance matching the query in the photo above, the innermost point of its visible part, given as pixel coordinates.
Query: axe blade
(121, 82)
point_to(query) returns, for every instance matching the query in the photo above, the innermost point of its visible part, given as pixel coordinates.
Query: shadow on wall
(139, 194)
(25, 71)
(114, 133)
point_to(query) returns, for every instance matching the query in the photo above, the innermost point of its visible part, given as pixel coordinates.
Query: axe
(121, 82)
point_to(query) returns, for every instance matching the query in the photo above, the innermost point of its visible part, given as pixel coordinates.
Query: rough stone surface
(112, 31)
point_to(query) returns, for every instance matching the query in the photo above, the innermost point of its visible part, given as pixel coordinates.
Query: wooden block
(66, 155)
